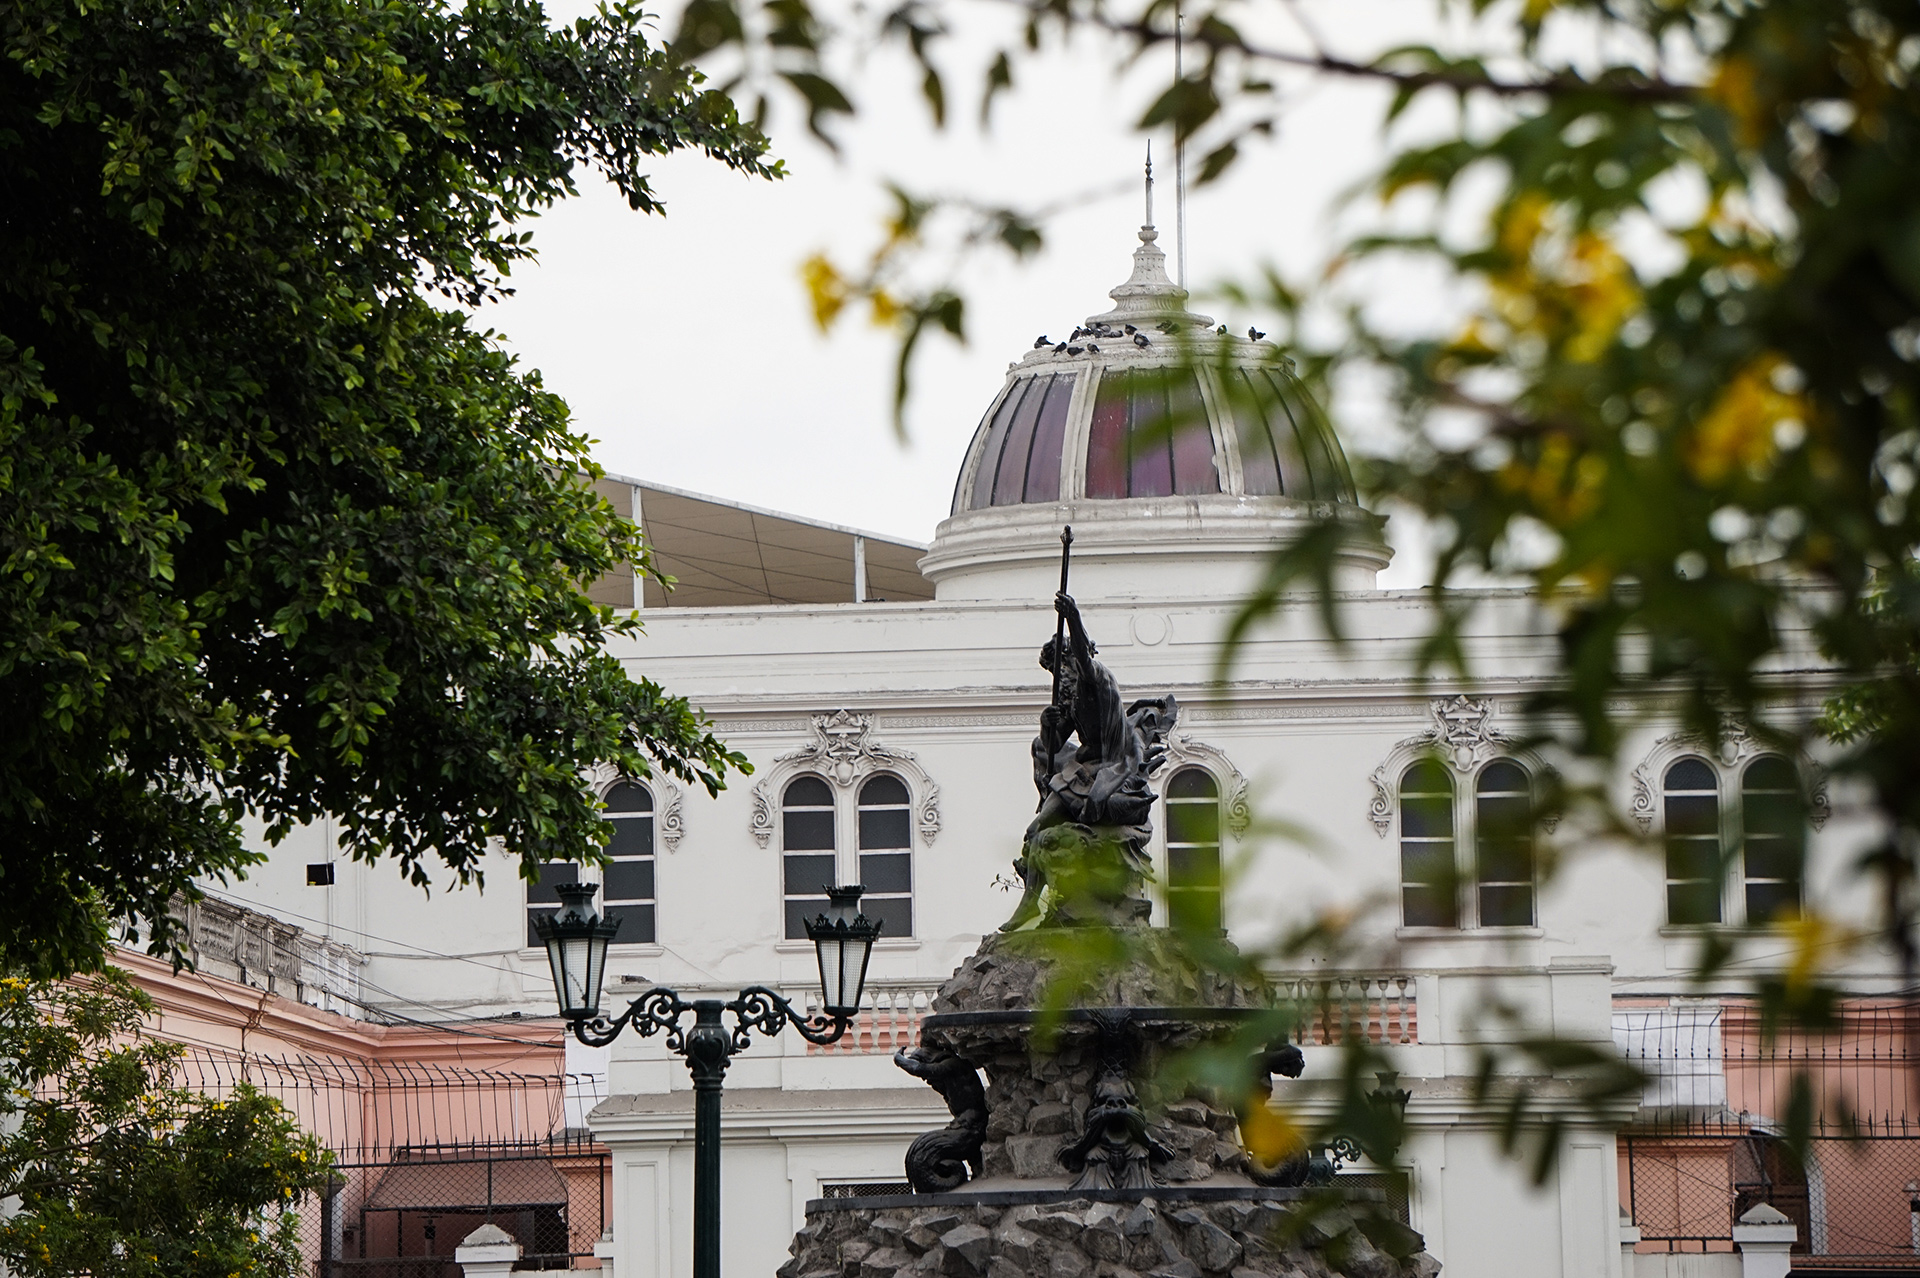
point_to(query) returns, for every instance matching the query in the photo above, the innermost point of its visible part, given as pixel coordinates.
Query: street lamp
(576, 941)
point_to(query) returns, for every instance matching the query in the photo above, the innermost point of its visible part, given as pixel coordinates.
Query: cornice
(837, 1115)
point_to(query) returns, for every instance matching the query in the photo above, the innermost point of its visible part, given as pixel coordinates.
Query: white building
(887, 710)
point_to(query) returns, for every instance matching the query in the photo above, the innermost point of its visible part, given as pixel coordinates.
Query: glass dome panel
(1150, 436)
(1020, 459)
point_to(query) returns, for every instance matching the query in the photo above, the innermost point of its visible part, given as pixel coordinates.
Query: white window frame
(1729, 766)
(1466, 844)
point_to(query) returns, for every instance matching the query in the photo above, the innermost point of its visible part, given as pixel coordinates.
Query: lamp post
(577, 940)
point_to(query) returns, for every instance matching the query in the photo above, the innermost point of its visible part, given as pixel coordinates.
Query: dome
(1181, 456)
(1146, 400)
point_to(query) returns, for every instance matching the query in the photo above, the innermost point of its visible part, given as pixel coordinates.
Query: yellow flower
(1739, 429)
(826, 288)
(1269, 1133)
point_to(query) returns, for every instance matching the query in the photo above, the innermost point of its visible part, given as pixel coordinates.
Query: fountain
(1074, 1160)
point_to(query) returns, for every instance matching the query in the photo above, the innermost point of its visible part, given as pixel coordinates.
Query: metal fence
(403, 1216)
(424, 1154)
(1721, 1089)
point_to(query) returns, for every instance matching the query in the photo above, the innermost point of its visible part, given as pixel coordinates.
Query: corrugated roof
(724, 553)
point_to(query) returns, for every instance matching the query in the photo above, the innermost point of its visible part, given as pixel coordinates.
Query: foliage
(1677, 403)
(278, 535)
(118, 1172)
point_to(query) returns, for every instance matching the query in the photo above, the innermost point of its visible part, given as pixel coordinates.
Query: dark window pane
(1193, 867)
(1695, 858)
(808, 792)
(1503, 775)
(636, 924)
(1769, 858)
(1506, 906)
(1770, 902)
(884, 828)
(1192, 783)
(1771, 772)
(628, 797)
(1693, 814)
(1428, 907)
(1426, 818)
(1426, 777)
(1506, 860)
(533, 938)
(1693, 902)
(806, 831)
(629, 881)
(1427, 862)
(1049, 438)
(883, 789)
(551, 874)
(1691, 774)
(1771, 813)
(894, 914)
(1505, 815)
(1190, 910)
(808, 875)
(632, 836)
(886, 872)
(800, 909)
(1107, 439)
(1193, 822)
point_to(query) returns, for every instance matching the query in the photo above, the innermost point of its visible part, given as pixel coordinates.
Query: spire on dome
(1149, 221)
(1148, 293)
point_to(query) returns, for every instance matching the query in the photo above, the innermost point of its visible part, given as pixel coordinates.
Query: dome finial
(1148, 224)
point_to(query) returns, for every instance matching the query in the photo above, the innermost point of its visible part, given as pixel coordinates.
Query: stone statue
(1083, 858)
(1279, 1057)
(938, 1161)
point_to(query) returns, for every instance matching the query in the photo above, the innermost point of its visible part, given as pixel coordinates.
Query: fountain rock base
(1220, 1232)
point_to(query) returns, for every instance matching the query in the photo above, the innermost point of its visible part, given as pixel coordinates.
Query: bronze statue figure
(938, 1161)
(1083, 858)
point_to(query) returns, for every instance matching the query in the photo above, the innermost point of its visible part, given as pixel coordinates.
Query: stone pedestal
(1083, 1164)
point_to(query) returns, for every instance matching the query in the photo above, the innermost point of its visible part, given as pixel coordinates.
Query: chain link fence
(1723, 1088)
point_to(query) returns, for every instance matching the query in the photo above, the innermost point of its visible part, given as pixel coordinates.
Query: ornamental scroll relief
(669, 816)
(844, 751)
(1462, 736)
(1737, 746)
(1236, 805)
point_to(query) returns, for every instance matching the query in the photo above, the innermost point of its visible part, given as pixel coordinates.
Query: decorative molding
(672, 819)
(1238, 806)
(1737, 746)
(845, 753)
(1462, 735)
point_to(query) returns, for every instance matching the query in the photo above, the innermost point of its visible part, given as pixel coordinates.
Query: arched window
(806, 845)
(626, 890)
(1692, 795)
(1193, 851)
(886, 854)
(1773, 816)
(1428, 873)
(1503, 845)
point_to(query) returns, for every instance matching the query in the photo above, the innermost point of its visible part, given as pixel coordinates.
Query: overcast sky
(685, 345)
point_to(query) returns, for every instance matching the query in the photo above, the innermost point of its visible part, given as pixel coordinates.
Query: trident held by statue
(1060, 619)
